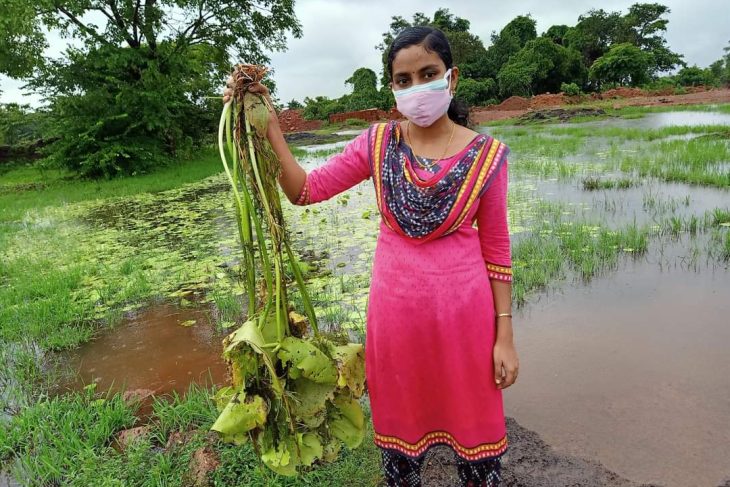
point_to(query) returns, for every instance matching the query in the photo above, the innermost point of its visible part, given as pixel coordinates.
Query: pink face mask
(425, 103)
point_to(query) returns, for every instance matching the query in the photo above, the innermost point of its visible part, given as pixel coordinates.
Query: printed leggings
(403, 471)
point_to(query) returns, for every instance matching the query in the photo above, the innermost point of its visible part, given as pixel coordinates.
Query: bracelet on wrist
(498, 315)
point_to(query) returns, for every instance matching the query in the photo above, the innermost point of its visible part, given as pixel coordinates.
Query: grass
(68, 440)
(56, 189)
(703, 162)
(556, 247)
(593, 183)
(75, 255)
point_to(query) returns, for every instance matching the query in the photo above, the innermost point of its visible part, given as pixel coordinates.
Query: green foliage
(476, 92)
(539, 67)
(694, 76)
(134, 93)
(294, 105)
(21, 126)
(507, 43)
(570, 89)
(556, 33)
(320, 107)
(364, 96)
(623, 64)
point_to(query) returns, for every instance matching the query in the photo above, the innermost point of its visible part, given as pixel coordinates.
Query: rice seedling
(294, 396)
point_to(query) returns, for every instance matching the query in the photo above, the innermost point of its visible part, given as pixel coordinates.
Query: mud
(311, 138)
(552, 115)
(528, 462)
(162, 348)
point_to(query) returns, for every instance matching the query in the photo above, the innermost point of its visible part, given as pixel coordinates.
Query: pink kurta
(430, 320)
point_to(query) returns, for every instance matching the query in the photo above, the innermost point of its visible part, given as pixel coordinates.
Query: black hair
(433, 40)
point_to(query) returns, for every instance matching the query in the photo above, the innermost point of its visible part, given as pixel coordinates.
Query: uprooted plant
(294, 391)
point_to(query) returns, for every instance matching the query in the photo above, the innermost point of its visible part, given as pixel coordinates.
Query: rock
(126, 437)
(202, 463)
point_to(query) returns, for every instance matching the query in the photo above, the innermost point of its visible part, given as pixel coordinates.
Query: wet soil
(312, 138)
(553, 115)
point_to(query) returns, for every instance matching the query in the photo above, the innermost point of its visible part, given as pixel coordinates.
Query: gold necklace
(429, 166)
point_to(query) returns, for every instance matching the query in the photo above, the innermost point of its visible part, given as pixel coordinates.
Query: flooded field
(621, 248)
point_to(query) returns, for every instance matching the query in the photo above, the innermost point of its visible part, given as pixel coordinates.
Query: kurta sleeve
(493, 227)
(341, 172)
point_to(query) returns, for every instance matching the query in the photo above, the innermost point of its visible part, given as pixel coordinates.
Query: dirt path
(519, 106)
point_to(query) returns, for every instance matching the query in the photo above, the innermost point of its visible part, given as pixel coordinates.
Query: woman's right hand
(228, 90)
(257, 87)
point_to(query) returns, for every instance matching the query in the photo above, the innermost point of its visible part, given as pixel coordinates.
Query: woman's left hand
(506, 364)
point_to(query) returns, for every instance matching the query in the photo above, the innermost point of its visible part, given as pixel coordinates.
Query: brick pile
(292, 121)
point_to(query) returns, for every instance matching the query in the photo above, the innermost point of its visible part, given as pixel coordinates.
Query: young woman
(439, 345)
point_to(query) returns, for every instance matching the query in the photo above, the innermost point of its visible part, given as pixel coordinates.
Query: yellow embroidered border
(488, 163)
(500, 269)
(440, 435)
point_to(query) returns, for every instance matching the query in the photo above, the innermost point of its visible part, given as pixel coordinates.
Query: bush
(570, 89)
(476, 92)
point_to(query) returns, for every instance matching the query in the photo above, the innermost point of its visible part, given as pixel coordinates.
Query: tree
(539, 67)
(128, 95)
(294, 105)
(476, 92)
(645, 29)
(595, 33)
(694, 76)
(513, 37)
(556, 33)
(467, 50)
(623, 64)
(364, 94)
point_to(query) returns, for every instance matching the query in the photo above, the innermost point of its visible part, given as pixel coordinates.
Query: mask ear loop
(448, 73)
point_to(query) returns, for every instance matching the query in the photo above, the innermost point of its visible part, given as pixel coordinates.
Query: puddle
(151, 350)
(322, 147)
(632, 370)
(350, 132)
(666, 119)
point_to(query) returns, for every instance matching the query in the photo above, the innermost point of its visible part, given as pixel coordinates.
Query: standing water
(162, 348)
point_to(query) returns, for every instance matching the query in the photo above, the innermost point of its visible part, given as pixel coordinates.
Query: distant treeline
(143, 86)
(602, 50)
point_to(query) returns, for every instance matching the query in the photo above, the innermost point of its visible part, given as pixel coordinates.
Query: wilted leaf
(347, 421)
(309, 401)
(240, 415)
(304, 356)
(350, 361)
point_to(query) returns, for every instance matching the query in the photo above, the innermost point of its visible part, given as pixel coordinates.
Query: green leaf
(309, 401)
(310, 447)
(347, 421)
(241, 415)
(307, 360)
(280, 459)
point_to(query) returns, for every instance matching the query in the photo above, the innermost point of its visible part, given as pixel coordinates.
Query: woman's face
(414, 65)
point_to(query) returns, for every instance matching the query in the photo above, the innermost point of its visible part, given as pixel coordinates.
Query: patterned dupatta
(425, 210)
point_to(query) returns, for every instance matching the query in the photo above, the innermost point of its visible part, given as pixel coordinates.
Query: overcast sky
(340, 36)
